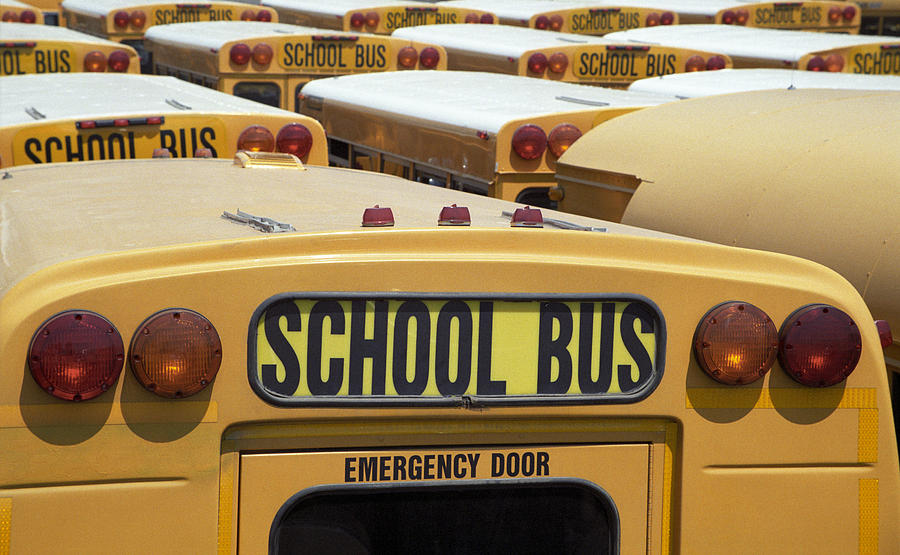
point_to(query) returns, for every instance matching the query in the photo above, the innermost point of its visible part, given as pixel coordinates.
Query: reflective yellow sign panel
(427, 348)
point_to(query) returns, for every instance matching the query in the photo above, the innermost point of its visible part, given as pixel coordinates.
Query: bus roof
(29, 31)
(692, 7)
(88, 95)
(214, 34)
(513, 9)
(338, 7)
(483, 101)
(705, 83)
(505, 40)
(102, 7)
(57, 212)
(15, 4)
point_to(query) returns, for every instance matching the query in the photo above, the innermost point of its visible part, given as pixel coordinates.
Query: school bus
(752, 48)
(740, 80)
(580, 17)
(835, 16)
(372, 16)
(880, 17)
(485, 133)
(558, 56)
(18, 12)
(90, 116)
(182, 366)
(269, 62)
(49, 49)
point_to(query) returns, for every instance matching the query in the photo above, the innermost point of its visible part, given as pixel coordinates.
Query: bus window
(559, 56)
(266, 93)
(28, 49)
(775, 48)
(231, 53)
(501, 132)
(881, 17)
(62, 118)
(361, 377)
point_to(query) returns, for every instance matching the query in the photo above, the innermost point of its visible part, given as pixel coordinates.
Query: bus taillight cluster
(293, 138)
(654, 19)
(735, 17)
(836, 14)
(408, 56)
(697, 63)
(136, 19)
(25, 16)
(529, 141)
(552, 23)
(78, 355)
(96, 61)
(250, 15)
(833, 63)
(736, 343)
(539, 62)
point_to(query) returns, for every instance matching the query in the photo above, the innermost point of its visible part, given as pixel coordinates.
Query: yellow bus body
(14, 11)
(228, 468)
(381, 18)
(48, 49)
(74, 118)
(586, 60)
(201, 53)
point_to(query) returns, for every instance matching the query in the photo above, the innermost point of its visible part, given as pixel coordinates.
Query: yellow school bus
(486, 133)
(90, 116)
(752, 48)
(179, 376)
(880, 17)
(579, 17)
(269, 62)
(373, 16)
(50, 49)
(559, 56)
(18, 12)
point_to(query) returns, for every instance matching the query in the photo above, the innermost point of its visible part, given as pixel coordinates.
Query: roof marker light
(455, 215)
(377, 216)
(527, 217)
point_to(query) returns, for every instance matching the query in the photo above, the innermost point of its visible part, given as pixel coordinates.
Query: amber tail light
(736, 343)
(256, 138)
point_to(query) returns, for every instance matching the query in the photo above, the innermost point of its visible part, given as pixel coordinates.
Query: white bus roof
(525, 9)
(214, 34)
(102, 7)
(693, 7)
(98, 95)
(337, 7)
(502, 40)
(30, 31)
(16, 4)
(753, 42)
(706, 83)
(483, 101)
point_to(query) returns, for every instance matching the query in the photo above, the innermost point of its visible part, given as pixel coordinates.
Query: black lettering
(543, 463)
(335, 314)
(473, 463)
(512, 465)
(496, 464)
(96, 141)
(528, 464)
(362, 348)
(415, 467)
(288, 59)
(40, 64)
(586, 383)
(167, 140)
(443, 467)
(459, 311)
(207, 136)
(484, 384)
(635, 348)
(115, 139)
(411, 310)
(459, 470)
(399, 468)
(282, 349)
(65, 66)
(349, 468)
(384, 468)
(550, 348)
(74, 154)
(52, 141)
(368, 469)
(30, 145)
(428, 472)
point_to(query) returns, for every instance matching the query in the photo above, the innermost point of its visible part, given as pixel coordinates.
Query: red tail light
(542, 22)
(430, 57)
(728, 17)
(819, 345)
(248, 15)
(94, 61)
(472, 18)
(175, 353)
(562, 137)
(529, 142)
(816, 63)
(667, 18)
(486, 18)
(695, 63)
(295, 139)
(834, 14)
(119, 61)
(742, 17)
(76, 355)
(161, 153)
(240, 54)
(556, 22)
(537, 62)
(27, 16)
(256, 138)
(834, 63)
(849, 13)
(736, 343)
(372, 19)
(652, 20)
(262, 53)
(264, 15)
(10, 17)
(407, 57)
(357, 20)
(558, 62)
(138, 19)
(715, 62)
(120, 19)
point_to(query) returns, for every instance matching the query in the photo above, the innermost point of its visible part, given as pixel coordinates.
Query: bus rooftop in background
(775, 48)
(372, 16)
(690, 85)
(230, 345)
(50, 49)
(269, 62)
(93, 116)
(565, 57)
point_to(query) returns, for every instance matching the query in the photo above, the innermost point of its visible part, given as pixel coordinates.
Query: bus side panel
(466, 60)
(297, 17)
(189, 59)
(85, 23)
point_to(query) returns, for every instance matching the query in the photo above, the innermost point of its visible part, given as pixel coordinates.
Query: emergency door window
(517, 517)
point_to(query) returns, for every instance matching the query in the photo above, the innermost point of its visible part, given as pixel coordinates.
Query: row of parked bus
(207, 330)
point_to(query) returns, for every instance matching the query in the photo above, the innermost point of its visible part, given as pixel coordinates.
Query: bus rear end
(826, 16)
(19, 12)
(377, 382)
(45, 49)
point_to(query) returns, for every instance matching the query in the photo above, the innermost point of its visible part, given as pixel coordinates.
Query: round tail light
(430, 57)
(834, 63)
(652, 19)
(94, 61)
(264, 15)
(27, 16)
(294, 138)
(372, 19)
(240, 54)
(816, 63)
(542, 22)
(119, 61)
(834, 14)
(138, 19)
(407, 57)
(558, 63)
(537, 62)
(262, 54)
(256, 138)
(76, 355)
(472, 18)
(849, 13)
(486, 18)
(556, 22)
(741, 17)
(248, 15)
(819, 346)
(728, 17)
(562, 137)
(357, 20)
(10, 17)
(736, 343)
(529, 142)
(175, 353)
(120, 19)
(695, 63)
(667, 18)
(715, 62)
